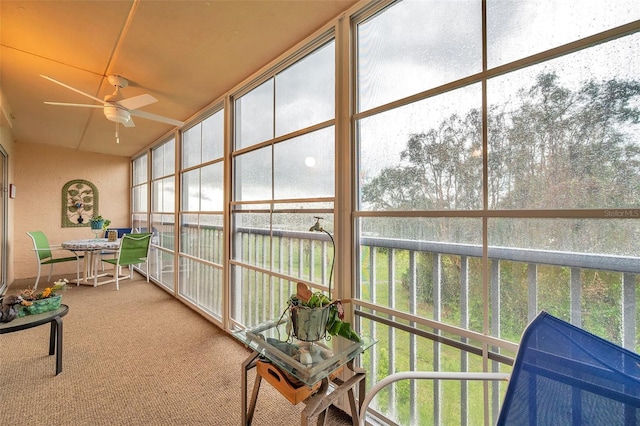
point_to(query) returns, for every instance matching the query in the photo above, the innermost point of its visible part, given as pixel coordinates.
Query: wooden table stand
(319, 400)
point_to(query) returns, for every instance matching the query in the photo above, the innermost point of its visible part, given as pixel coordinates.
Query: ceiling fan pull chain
(117, 137)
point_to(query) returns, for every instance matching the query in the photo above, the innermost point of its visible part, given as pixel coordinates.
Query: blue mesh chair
(562, 375)
(121, 231)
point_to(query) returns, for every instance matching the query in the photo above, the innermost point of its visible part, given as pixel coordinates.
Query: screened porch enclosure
(414, 332)
(470, 176)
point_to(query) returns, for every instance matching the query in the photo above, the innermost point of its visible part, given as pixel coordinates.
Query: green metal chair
(44, 255)
(111, 253)
(134, 249)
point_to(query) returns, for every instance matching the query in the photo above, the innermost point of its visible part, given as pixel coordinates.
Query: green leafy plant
(336, 326)
(96, 219)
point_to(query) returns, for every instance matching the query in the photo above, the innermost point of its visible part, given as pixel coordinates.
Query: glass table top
(308, 362)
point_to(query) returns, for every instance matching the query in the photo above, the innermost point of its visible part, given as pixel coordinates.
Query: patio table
(92, 247)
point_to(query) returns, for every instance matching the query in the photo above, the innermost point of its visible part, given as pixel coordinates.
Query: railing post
(575, 297)
(290, 264)
(495, 331)
(373, 289)
(464, 323)
(629, 309)
(372, 274)
(312, 264)
(532, 280)
(437, 316)
(264, 279)
(392, 333)
(413, 355)
(281, 294)
(300, 257)
(323, 271)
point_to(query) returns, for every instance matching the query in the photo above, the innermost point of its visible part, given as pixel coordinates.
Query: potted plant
(314, 315)
(98, 222)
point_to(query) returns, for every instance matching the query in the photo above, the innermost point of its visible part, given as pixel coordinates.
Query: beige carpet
(136, 356)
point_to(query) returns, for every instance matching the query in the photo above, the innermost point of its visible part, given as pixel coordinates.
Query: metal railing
(571, 266)
(266, 264)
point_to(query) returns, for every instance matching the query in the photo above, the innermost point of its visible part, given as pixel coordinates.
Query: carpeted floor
(136, 356)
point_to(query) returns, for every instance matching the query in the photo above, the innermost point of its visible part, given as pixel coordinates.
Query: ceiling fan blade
(156, 117)
(74, 105)
(72, 88)
(136, 102)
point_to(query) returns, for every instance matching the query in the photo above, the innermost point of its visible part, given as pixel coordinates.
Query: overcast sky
(411, 47)
(403, 55)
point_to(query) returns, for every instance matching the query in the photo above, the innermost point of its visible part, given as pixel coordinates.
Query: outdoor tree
(551, 147)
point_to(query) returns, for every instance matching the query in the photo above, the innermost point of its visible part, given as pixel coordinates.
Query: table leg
(59, 346)
(355, 411)
(87, 266)
(254, 399)
(95, 256)
(322, 417)
(313, 402)
(87, 272)
(92, 271)
(248, 364)
(55, 342)
(52, 337)
(321, 401)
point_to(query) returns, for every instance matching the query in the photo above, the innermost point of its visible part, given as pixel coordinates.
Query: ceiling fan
(117, 108)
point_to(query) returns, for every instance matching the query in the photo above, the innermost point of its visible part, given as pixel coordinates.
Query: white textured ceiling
(184, 53)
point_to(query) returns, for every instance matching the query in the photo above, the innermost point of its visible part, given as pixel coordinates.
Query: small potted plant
(98, 222)
(314, 315)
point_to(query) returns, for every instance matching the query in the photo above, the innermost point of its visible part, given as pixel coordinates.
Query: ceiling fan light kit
(117, 115)
(115, 107)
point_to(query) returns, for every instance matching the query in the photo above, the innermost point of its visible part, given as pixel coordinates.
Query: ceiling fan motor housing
(118, 81)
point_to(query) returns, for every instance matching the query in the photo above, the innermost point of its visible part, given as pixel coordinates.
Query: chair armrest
(51, 248)
(428, 375)
(59, 248)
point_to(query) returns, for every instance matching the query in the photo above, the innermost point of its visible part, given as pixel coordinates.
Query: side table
(55, 337)
(265, 340)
